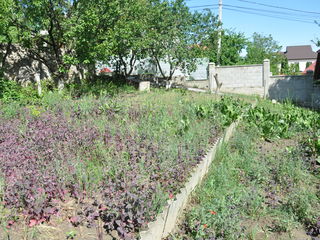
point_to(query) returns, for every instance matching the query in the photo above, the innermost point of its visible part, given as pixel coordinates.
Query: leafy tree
(232, 45)
(43, 27)
(264, 47)
(7, 31)
(308, 64)
(289, 69)
(317, 40)
(91, 22)
(206, 32)
(232, 42)
(171, 36)
(62, 33)
(129, 35)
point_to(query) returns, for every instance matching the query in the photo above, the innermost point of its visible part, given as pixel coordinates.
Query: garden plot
(265, 183)
(109, 164)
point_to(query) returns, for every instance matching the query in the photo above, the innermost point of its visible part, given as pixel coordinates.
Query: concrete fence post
(266, 77)
(38, 82)
(212, 72)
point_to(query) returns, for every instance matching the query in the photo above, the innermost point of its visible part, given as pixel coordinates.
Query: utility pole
(219, 33)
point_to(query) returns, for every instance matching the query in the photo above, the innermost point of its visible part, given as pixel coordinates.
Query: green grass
(256, 189)
(137, 140)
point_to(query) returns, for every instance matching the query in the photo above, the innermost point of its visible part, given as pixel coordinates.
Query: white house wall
(146, 66)
(302, 63)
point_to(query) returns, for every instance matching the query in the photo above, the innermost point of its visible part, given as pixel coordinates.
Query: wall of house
(147, 66)
(22, 68)
(302, 63)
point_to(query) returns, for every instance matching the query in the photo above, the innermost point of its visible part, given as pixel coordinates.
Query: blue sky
(286, 32)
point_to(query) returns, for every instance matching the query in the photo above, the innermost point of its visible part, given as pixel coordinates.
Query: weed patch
(263, 183)
(119, 157)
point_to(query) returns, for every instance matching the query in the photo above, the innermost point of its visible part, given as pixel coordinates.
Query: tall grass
(256, 186)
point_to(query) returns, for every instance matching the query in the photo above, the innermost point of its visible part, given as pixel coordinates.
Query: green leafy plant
(9, 90)
(71, 235)
(281, 123)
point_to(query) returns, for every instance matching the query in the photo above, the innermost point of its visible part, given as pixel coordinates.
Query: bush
(9, 90)
(100, 86)
(12, 91)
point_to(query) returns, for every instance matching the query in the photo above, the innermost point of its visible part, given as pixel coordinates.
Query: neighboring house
(300, 55)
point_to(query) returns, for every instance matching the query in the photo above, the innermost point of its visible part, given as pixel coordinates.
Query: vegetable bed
(265, 183)
(119, 158)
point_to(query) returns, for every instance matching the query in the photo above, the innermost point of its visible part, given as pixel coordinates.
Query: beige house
(300, 55)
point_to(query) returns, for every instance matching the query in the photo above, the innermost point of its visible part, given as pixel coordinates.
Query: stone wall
(22, 68)
(300, 89)
(243, 79)
(240, 76)
(203, 84)
(258, 80)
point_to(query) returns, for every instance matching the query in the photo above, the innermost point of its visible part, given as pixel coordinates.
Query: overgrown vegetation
(136, 152)
(264, 183)
(12, 92)
(61, 35)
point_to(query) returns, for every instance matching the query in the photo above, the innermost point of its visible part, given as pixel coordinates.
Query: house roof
(300, 52)
(105, 70)
(310, 68)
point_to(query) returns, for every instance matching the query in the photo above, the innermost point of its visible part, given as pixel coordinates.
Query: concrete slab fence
(258, 80)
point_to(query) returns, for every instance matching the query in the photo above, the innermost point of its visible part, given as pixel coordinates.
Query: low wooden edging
(166, 221)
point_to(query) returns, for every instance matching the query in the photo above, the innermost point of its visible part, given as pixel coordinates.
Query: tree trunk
(5, 55)
(132, 63)
(159, 66)
(172, 71)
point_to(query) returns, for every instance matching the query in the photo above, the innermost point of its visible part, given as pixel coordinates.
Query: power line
(256, 11)
(273, 6)
(303, 17)
(209, 5)
(270, 11)
(271, 16)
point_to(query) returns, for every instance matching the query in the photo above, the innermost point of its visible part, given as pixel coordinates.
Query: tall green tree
(129, 35)
(233, 43)
(171, 37)
(89, 34)
(43, 28)
(317, 40)
(7, 31)
(264, 47)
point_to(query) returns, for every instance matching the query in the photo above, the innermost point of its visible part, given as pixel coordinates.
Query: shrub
(12, 91)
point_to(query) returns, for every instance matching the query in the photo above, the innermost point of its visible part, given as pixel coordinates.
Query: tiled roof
(300, 52)
(310, 68)
(105, 70)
